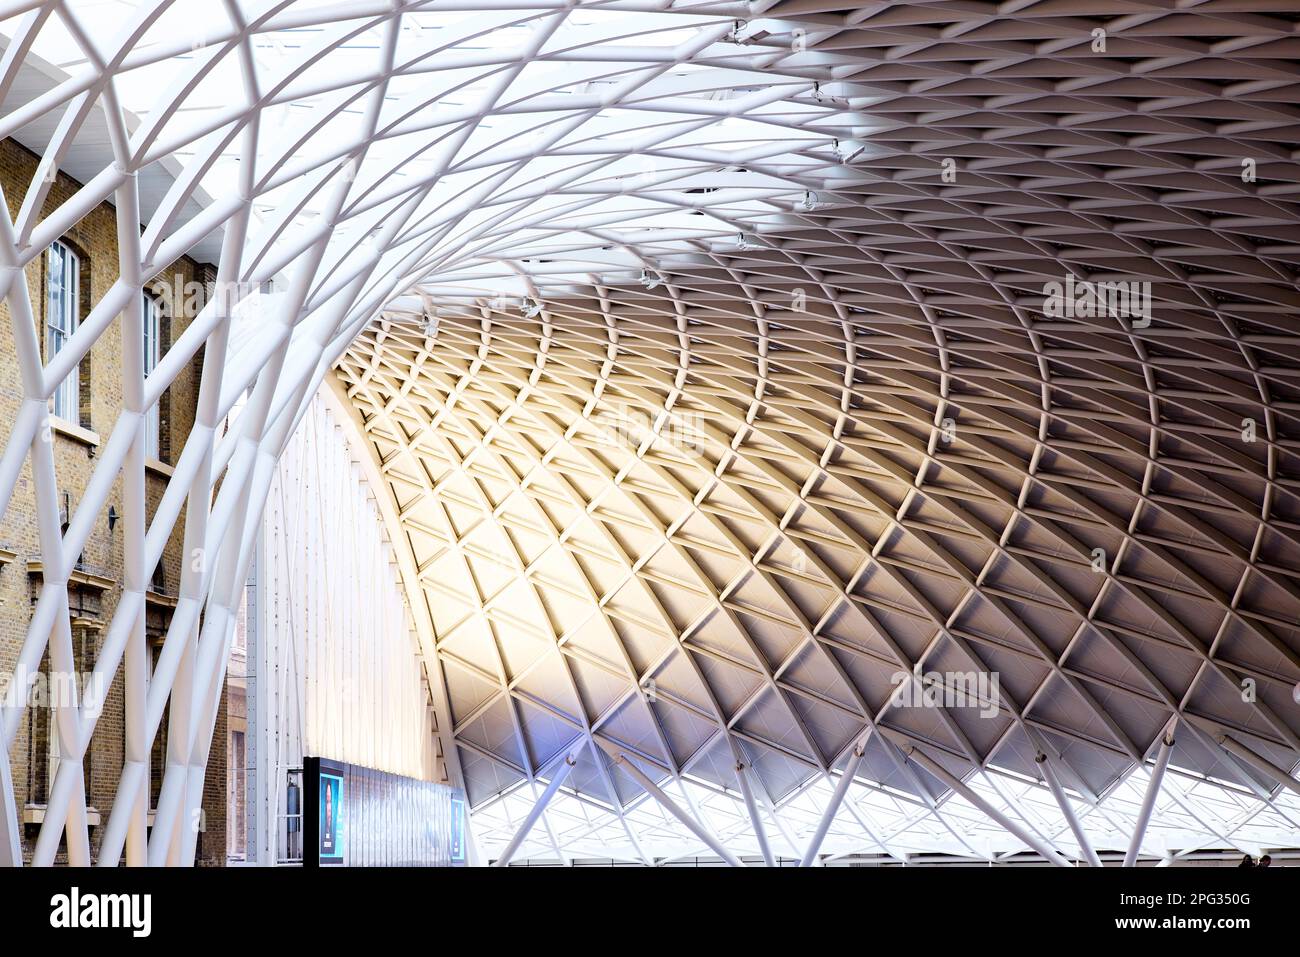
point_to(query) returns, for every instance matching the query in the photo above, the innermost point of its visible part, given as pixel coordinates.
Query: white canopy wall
(335, 612)
(337, 670)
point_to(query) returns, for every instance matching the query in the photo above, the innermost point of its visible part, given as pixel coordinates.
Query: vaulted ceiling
(768, 479)
(734, 396)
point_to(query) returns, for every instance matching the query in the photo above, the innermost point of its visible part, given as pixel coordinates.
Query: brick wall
(76, 449)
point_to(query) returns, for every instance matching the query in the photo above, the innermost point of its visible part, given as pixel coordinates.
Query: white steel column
(1149, 801)
(1063, 801)
(1259, 763)
(746, 789)
(535, 812)
(960, 786)
(668, 805)
(11, 854)
(841, 789)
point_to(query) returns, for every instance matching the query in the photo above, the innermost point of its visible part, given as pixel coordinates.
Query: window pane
(61, 322)
(152, 352)
(151, 343)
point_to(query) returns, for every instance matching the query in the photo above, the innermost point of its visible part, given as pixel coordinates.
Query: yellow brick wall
(76, 456)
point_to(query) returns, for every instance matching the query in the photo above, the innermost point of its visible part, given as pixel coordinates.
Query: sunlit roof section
(490, 121)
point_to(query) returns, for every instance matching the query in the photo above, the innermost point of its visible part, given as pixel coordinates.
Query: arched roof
(727, 360)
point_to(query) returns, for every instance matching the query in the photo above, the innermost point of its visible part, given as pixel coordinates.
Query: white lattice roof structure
(728, 371)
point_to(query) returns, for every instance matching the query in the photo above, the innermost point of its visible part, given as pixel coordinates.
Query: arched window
(61, 321)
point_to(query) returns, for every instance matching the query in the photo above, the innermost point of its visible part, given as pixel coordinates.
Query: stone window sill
(35, 814)
(75, 432)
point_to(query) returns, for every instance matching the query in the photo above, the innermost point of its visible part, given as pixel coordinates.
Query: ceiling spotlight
(649, 280)
(809, 201)
(821, 96)
(847, 150)
(530, 307)
(745, 241)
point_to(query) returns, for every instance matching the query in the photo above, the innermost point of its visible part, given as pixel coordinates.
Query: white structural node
(750, 391)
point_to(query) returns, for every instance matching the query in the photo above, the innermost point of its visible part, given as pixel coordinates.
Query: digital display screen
(457, 830)
(369, 818)
(331, 818)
